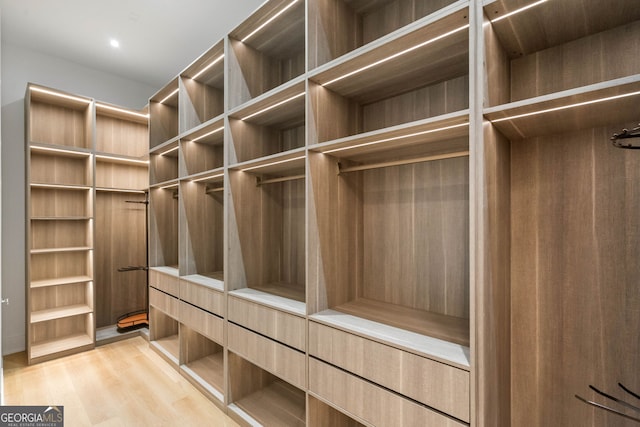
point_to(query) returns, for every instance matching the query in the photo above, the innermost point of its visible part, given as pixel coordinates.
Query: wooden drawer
(284, 327)
(435, 384)
(165, 282)
(270, 355)
(200, 321)
(201, 296)
(371, 403)
(164, 302)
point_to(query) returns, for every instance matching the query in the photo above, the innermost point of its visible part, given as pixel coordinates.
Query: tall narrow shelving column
(60, 233)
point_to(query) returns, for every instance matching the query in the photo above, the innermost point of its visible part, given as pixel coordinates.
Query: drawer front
(164, 282)
(164, 302)
(270, 355)
(435, 384)
(370, 402)
(203, 297)
(284, 327)
(200, 321)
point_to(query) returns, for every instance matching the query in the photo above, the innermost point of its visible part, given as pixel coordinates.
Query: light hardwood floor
(120, 384)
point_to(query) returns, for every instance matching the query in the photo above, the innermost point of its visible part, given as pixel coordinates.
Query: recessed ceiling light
(114, 43)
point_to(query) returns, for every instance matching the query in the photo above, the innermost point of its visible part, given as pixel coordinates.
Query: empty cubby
(269, 226)
(163, 114)
(163, 226)
(320, 414)
(270, 126)
(202, 211)
(202, 149)
(267, 399)
(532, 52)
(266, 50)
(423, 74)
(203, 359)
(61, 203)
(59, 119)
(58, 166)
(203, 87)
(164, 333)
(54, 267)
(338, 27)
(51, 235)
(163, 162)
(390, 233)
(120, 132)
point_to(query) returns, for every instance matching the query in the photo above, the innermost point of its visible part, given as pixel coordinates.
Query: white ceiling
(158, 38)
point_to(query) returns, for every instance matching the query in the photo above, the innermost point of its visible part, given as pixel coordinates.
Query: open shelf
(121, 173)
(203, 87)
(262, 397)
(163, 225)
(163, 162)
(421, 74)
(203, 209)
(163, 114)
(202, 149)
(163, 334)
(58, 266)
(55, 235)
(60, 345)
(270, 125)
(120, 131)
(390, 231)
(204, 361)
(321, 414)
(58, 167)
(337, 27)
(61, 202)
(266, 50)
(58, 118)
(536, 52)
(59, 312)
(60, 281)
(269, 206)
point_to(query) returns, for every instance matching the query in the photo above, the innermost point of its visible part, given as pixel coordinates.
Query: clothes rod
(402, 162)
(275, 180)
(213, 190)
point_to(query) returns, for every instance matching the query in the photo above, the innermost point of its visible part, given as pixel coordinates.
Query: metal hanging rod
(616, 400)
(260, 182)
(402, 162)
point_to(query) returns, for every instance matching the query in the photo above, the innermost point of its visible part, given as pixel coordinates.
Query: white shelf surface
(274, 301)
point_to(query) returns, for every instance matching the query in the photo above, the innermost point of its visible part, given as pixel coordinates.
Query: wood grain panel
(283, 327)
(202, 232)
(280, 360)
(579, 63)
(333, 115)
(430, 200)
(497, 68)
(252, 141)
(60, 296)
(435, 384)
(270, 222)
(163, 123)
(122, 176)
(381, 407)
(430, 101)
(62, 264)
(121, 137)
(320, 414)
(166, 303)
(160, 325)
(574, 293)
(205, 323)
(202, 103)
(120, 242)
(163, 228)
(46, 202)
(206, 298)
(48, 169)
(333, 31)
(201, 157)
(60, 234)
(163, 167)
(493, 289)
(164, 282)
(59, 125)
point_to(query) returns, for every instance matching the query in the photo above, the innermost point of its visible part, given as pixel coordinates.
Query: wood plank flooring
(120, 384)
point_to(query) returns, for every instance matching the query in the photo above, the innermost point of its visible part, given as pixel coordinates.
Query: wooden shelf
(60, 312)
(294, 306)
(60, 186)
(163, 114)
(591, 106)
(43, 349)
(60, 281)
(202, 149)
(61, 249)
(171, 345)
(279, 404)
(60, 218)
(271, 124)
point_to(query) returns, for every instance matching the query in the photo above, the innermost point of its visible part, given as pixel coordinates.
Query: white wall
(19, 67)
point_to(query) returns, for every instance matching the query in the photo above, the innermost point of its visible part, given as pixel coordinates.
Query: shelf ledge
(203, 280)
(433, 348)
(270, 300)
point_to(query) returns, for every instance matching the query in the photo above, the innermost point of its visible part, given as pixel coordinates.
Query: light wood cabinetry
(81, 156)
(397, 212)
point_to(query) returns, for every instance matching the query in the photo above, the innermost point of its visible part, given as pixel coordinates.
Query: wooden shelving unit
(80, 155)
(361, 197)
(60, 288)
